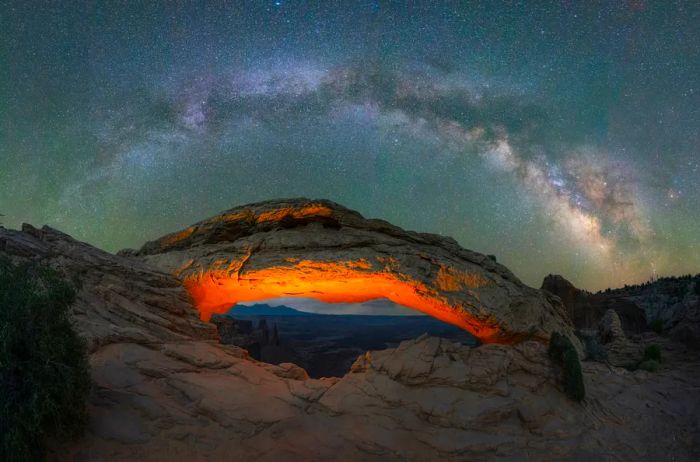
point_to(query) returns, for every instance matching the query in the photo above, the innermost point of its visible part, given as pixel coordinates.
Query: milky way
(562, 139)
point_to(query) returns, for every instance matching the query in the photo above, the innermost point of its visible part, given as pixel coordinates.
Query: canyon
(165, 388)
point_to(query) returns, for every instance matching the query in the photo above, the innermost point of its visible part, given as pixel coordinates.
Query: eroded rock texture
(121, 300)
(586, 309)
(320, 249)
(165, 389)
(621, 351)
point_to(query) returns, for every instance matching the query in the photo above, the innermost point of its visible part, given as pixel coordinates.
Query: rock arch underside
(320, 249)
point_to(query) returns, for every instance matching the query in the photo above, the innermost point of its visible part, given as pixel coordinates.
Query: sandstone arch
(320, 249)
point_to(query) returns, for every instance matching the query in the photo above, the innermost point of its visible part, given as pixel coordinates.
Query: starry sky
(562, 137)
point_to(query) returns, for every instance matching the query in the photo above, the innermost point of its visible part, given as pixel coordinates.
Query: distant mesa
(320, 249)
(262, 309)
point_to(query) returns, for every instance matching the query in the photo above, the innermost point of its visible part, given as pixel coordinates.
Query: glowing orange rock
(322, 250)
(349, 282)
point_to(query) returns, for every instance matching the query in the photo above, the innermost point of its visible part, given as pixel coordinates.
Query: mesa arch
(320, 249)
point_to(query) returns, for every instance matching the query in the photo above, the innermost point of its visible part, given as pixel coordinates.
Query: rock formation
(240, 332)
(610, 327)
(621, 351)
(165, 389)
(586, 309)
(673, 303)
(320, 249)
(685, 322)
(122, 300)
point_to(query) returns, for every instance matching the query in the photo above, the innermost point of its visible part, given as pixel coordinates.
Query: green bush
(557, 345)
(651, 361)
(657, 325)
(573, 378)
(562, 352)
(652, 352)
(44, 373)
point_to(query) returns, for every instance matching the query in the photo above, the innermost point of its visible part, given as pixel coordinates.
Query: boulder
(610, 328)
(621, 351)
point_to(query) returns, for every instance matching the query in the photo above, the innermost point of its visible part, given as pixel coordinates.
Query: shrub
(657, 325)
(562, 352)
(652, 352)
(557, 345)
(573, 378)
(651, 361)
(44, 374)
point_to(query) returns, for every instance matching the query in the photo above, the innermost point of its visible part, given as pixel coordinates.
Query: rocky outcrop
(320, 249)
(621, 351)
(672, 303)
(685, 323)
(240, 332)
(121, 300)
(165, 389)
(610, 328)
(665, 299)
(586, 309)
(567, 292)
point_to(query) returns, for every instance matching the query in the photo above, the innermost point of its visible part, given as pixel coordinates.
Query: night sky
(562, 138)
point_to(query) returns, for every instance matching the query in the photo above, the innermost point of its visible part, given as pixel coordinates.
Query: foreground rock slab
(165, 389)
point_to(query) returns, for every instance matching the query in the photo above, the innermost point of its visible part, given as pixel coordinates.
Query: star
(564, 140)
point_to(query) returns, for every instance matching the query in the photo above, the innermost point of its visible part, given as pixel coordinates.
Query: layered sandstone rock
(685, 324)
(610, 328)
(121, 300)
(621, 351)
(586, 309)
(320, 249)
(165, 389)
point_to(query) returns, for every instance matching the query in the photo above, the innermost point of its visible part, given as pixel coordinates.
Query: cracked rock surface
(295, 246)
(165, 389)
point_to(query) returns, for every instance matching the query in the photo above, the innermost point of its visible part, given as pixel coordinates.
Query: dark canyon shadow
(325, 345)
